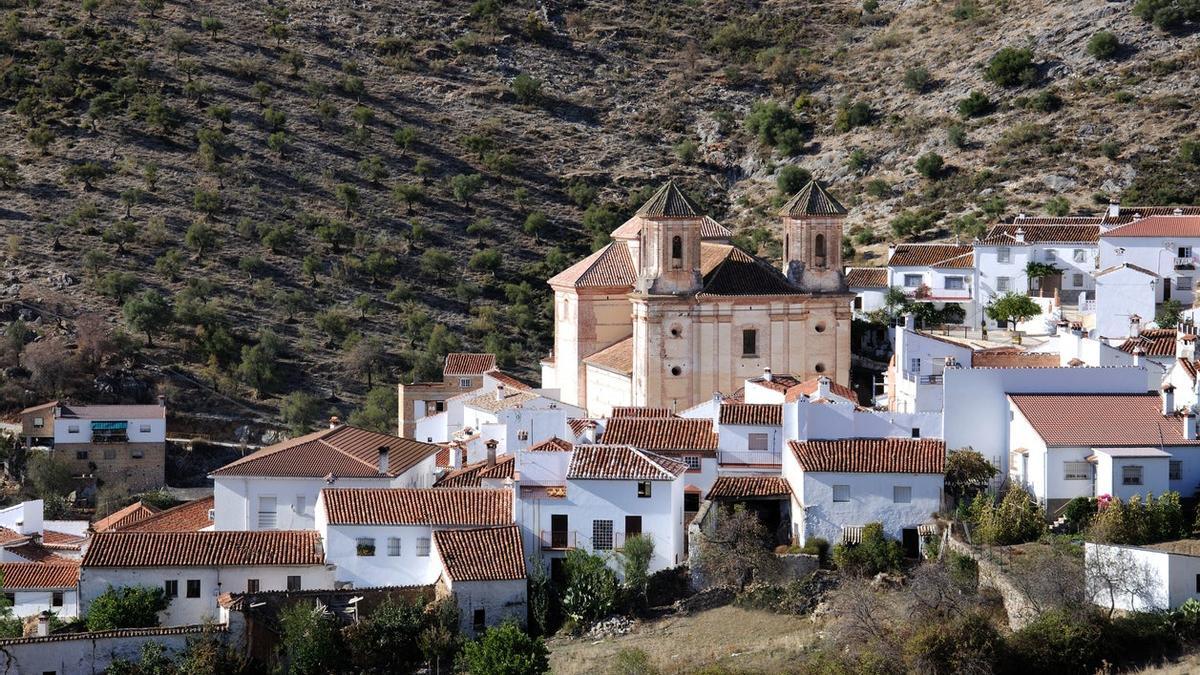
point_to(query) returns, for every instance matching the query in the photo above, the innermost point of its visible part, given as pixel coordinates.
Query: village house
(1068, 244)
(869, 286)
(31, 588)
(123, 444)
(461, 372)
(1151, 578)
(942, 274)
(276, 487)
(484, 570)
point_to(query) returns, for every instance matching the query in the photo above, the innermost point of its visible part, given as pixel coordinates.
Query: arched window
(819, 249)
(677, 251)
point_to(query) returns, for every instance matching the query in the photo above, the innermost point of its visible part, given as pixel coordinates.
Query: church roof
(709, 229)
(728, 270)
(610, 266)
(812, 200)
(617, 358)
(668, 202)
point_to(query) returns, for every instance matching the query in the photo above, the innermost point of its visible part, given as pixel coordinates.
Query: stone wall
(1018, 607)
(140, 466)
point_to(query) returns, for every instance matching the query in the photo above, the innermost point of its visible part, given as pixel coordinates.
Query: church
(670, 312)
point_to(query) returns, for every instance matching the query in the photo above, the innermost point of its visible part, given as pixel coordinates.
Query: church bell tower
(669, 247)
(812, 240)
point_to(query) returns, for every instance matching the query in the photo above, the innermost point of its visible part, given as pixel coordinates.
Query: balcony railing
(99, 436)
(923, 379)
(1185, 263)
(565, 540)
(749, 457)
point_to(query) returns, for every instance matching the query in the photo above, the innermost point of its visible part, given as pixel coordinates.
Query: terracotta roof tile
(779, 382)
(553, 444)
(19, 576)
(579, 425)
(1131, 266)
(135, 512)
(463, 363)
(38, 553)
(866, 277)
(9, 536)
(931, 255)
(187, 517)
(709, 229)
(640, 411)
(611, 266)
(809, 387)
(1190, 366)
(758, 414)
(668, 202)
(92, 636)
(1144, 211)
(871, 455)
(617, 358)
(1014, 359)
(1099, 420)
(1153, 341)
(1037, 233)
(734, 487)
(62, 540)
(485, 554)
(509, 381)
(661, 434)
(1159, 226)
(494, 401)
(812, 200)
(204, 549)
(621, 462)
(729, 271)
(343, 451)
(418, 506)
(472, 475)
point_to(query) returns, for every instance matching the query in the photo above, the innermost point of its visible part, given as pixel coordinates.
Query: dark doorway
(912, 543)
(1166, 290)
(558, 572)
(633, 526)
(558, 530)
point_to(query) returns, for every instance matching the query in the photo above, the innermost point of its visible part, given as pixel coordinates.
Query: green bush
(506, 650)
(591, 588)
(791, 178)
(1139, 521)
(1012, 67)
(917, 79)
(910, 222)
(635, 560)
(1046, 101)
(1018, 518)
(1167, 14)
(930, 165)
(126, 607)
(1058, 642)
(874, 554)
(817, 546)
(776, 127)
(1104, 45)
(1058, 206)
(976, 104)
(858, 114)
(632, 661)
(969, 644)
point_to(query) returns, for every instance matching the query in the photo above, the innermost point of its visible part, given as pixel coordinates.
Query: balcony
(110, 436)
(1185, 264)
(749, 458)
(565, 540)
(923, 379)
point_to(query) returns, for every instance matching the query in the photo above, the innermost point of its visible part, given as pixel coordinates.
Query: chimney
(43, 624)
(1137, 355)
(910, 322)
(823, 387)
(383, 459)
(1135, 325)
(1020, 235)
(334, 422)
(891, 251)
(491, 449)
(1114, 210)
(1189, 425)
(1177, 212)
(766, 374)
(717, 399)
(456, 454)
(499, 392)
(589, 433)
(162, 400)
(1168, 399)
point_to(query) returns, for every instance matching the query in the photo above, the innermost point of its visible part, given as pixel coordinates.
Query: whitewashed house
(384, 536)
(484, 570)
(194, 568)
(869, 286)
(1070, 244)
(31, 588)
(1151, 578)
(691, 441)
(938, 273)
(276, 487)
(839, 486)
(1165, 246)
(1125, 295)
(514, 418)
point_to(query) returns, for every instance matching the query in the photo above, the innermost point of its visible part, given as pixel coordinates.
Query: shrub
(1104, 45)
(1058, 206)
(776, 127)
(851, 116)
(506, 650)
(1046, 101)
(464, 186)
(632, 661)
(1058, 642)
(635, 560)
(874, 554)
(126, 607)
(686, 151)
(1189, 151)
(1110, 149)
(527, 89)
(1137, 521)
(967, 473)
(791, 178)
(969, 644)
(917, 79)
(1012, 67)
(1166, 14)
(1079, 512)
(817, 546)
(930, 165)
(966, 10)
(1018, 518)
(878, 188)
(976, 104)
(956, 135)
(591, 588)
(910, 223)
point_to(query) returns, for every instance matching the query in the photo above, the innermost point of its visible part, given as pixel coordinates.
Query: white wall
(1156, 254)
(381, 569)
(156, 430)
(499, 600)
(1121, 294)
(605, 390)
(1109, 476)
(1164, 580)
(236, 499)
(25, 517)
(32, 603)
(87, 653)
(919, 360)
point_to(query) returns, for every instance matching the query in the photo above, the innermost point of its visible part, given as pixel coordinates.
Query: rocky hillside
(316, 198)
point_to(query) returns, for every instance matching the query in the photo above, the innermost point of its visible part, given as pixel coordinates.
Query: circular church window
(676, 371)
(820, 367)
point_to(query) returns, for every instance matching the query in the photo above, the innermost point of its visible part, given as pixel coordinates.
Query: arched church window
(819, 249)
(676, 251)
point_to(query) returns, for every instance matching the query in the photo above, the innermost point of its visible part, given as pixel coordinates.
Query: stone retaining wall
(1016, 604)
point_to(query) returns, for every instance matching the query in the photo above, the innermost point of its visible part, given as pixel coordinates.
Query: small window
(749, 342)
(293, 582)
(1176, 470)
(171, 587)
(1131, 475)
(858, 302)
(81, 454)
(252, 585)
(1198, 583)
(267, 518)
(193, 588)
(478, 620)
(692, 461)
(841, 493)
(1003, 254)
(1185, 251)
(422, 547)
(144, 428)
(913, 280)
(394, 547)
(72, 428)
(56, 599)
(677, 250)
(464, 382)
(439, 406)
(819, 249)
(1051, 255)
(916, 432)
(137, 454)
(1183, 283)
(39, 422)
(1079, 255)
(676, 371)
(901, 494)
(955, 283)
(691, 501)
(365, 546)
(1003, 284)
(301, 504)
(820, 367)
(1077, 471)
(110, 453)
(914, 366)
(602, 535)
(1077, 280)
(758, 442)
(643, 489)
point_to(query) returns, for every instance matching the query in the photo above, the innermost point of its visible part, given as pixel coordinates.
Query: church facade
(671, 312)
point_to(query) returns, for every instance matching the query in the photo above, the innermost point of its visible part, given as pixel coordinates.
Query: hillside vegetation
(274, 208)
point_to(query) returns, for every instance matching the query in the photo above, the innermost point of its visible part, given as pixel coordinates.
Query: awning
(110, 426)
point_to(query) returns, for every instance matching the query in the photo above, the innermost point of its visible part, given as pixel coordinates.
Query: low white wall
(89, 652)
(499, 600)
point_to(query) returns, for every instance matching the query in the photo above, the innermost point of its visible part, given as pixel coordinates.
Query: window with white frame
(1077, 471)
(464, 382)
(758, 442)
(1051, 255)
(901, 494)
(955, 283)
(913, 280)
(39, 422)
(365, 546)
(267, 518)
(144, 428)
(692, 461)
(72, 428)
(1131, 475)
(1079, 255)
(1003, 284)
(914, 365)
(1003, 254)
(1077, 280)
(1185, 252)
(422, 547)
(393, 547)
(841, 493)
(602, 535)
(301, 504)
(1176, 470)
(644, 489)
(1183, 283)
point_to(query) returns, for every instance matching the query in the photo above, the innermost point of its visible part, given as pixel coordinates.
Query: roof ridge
(668, 202)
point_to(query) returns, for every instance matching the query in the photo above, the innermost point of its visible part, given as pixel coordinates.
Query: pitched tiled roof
(204, 549)
(709, 229)
(668, 202)
(1006, 235)
(809, 387)
(472, 475)
(112, 412)
(135, 512)
(462, 363)
(1014, 359)
(553, 444)
(734, 487)
(509, 381)
(640, 411)
(418, 506)
(1131, 266)
(20, 576)
(1153, 341)
(187, 517)
(62, 540)
(1190, 366)
(485, 554)
(493, 402)
(38, 553)
(617, 357)
(611, 266)
(728, 270)
(580, 424)
(812, 200)
(759, 414)
(621, 462)
(342, 451)
(661, 433)
(932, 255)
(871, 455)
(779, 382)
(1159, 226)
(1144, 211)
(1099, 420)
(866, 277)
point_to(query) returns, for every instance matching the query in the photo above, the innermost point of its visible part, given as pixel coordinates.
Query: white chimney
(766, 374)
(334, 422)
(589, 433)
(1189, 425)
(1137, 355)
(1168, 399)
(162, 401)
(1020, 235)
(1114, 210)
(823, 387)
(1177, 212)
(1135, 325)
(910, 322)
(716, 398)
(455, 456)
(383, 459)
(43, 624)
(491, 451)
(499, 392)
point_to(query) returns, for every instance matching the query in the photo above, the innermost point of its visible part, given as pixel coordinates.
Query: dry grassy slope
(623, 83)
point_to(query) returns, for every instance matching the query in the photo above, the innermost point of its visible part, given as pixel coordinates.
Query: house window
(1185, 251)
(1131, 475)
(602, 535)
(692, 461)
(1079, 255)
(81, 454)
(1198, 583)
(39, 422)
(858, 302)
(914, 365)
(422, 547)
(464, 382)
(676, 252)
(171, 587)
(478, 621)
(393, 547)
(137, 454)
(439, 406)
(916, 432)
(56, 599)
(749, 342)
(691, 501)
(301, 504)
(955, 283)
(1077, 280)
(1176, 470)
(252, 585)
(267, 518)
(643, 489)
(841, 493)
(901, 494)
(110, 453)
(1003, 284)
(144, 428)
(1004, 254)
(1051, 255)
(757, 442)
(193, 588)
(365, 546)
(913, 280)
(72, 428)
(1183, 283)
(293, 582)
(1077, 471)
